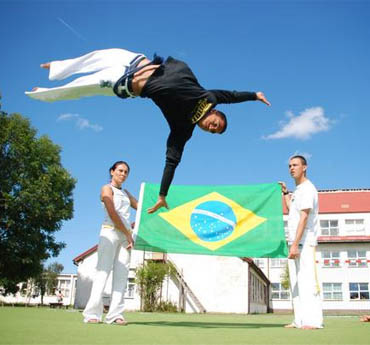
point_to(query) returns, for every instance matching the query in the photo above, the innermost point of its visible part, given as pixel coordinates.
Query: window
(357, 258)
(330, 259)
(259, 262)
(36, 292)
(358, 291)
(130, 288)
(355, 226)
(63, 283)
(332, 291)
(329, 227)
(258, 290)
(278, 263)
(278, 292)
(286, 229)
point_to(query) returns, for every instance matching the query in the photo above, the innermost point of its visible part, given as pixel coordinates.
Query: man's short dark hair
(303, 160)
(223, 116)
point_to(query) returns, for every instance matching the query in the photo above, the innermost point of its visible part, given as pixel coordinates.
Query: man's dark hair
(223, 116)
(303, 160)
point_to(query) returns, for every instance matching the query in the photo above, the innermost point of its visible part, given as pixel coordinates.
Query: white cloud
(303, 126)
(66, 116)
(81, 122)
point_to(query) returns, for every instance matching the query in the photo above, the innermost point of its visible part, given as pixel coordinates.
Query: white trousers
(305, 289)
(105, 67)
(112, 256)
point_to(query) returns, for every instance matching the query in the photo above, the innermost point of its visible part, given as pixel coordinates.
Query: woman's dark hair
(114, 166)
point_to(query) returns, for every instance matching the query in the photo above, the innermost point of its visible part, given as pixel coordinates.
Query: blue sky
(310, 58)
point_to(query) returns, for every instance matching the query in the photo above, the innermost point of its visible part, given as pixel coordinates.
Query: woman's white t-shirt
(121, 203)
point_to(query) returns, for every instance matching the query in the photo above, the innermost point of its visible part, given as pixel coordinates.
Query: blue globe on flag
(213, 221)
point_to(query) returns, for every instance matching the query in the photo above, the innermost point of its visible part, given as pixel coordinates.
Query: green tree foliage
(285, 278)
(35, 197)
(51, 274)
(149, 279)
(47, 280)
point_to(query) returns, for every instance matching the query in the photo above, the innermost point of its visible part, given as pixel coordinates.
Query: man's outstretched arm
(167, 177)
(175, 146)
(161, 202)
(261, 97)
(227, 97)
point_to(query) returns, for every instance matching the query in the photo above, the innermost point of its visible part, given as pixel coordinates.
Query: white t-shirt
(121, 205)
(304, 197)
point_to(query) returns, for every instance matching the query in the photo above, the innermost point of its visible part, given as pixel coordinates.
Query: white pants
(112, 256)
(305, 289)
(108, 66)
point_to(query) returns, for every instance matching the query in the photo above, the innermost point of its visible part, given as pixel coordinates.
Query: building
(29, 294)
(202, 283)
(343, 254)
(233, 285)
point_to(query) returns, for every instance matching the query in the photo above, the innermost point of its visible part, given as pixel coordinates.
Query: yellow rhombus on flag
(180, 217)
(229, 220)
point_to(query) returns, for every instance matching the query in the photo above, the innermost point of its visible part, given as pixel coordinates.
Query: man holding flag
(303, 232)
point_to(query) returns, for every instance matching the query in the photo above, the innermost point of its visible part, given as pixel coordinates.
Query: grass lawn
(54, 326)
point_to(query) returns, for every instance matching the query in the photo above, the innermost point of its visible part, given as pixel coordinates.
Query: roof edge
(343, 239)
(84, 254)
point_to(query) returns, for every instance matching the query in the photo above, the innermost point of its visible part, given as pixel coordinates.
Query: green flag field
(241, 221)
(47, 326)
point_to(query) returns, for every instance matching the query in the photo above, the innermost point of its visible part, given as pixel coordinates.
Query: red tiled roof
(343, 201)
(84, 254)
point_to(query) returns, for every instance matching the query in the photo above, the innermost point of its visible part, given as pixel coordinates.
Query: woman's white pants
(305, 289)
(105, 67)
(112, 256)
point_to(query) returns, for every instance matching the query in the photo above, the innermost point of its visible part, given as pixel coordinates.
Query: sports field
(50, 326)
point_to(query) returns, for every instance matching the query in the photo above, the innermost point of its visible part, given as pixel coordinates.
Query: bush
(167, 306)
(149, 279)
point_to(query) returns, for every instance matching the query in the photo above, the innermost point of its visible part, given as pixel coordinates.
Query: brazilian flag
(242, 221)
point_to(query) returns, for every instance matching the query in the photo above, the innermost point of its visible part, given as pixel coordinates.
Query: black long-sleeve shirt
(183, 101)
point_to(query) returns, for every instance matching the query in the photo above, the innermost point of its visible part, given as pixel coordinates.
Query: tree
(35, 197)
(149, 279)
(47, 280)
(285, 282)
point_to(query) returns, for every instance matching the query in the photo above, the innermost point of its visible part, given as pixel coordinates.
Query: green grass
(54, 326)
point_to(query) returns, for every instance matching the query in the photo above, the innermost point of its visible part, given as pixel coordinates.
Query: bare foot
(309, 327)
(45, 65)
(291, 325)
(365, 318)
(121, 322)
(93, 321)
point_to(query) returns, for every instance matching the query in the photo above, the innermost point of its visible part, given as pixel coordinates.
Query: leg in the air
(45, 65)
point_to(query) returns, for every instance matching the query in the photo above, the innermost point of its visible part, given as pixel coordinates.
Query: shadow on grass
(207, 324)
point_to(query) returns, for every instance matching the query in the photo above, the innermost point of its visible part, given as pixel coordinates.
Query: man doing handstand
(171, 85)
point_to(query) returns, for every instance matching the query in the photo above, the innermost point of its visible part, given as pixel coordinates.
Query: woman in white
(114, 249)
